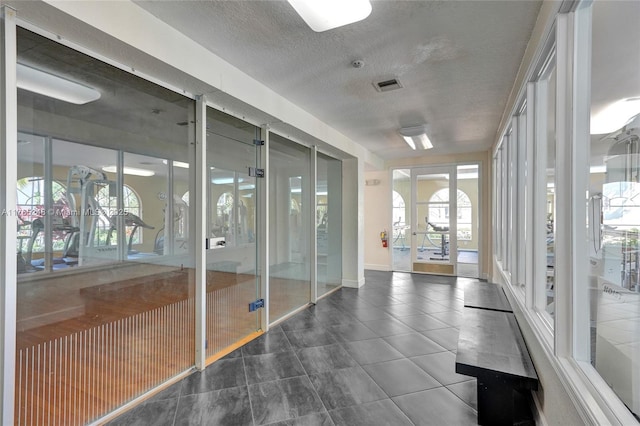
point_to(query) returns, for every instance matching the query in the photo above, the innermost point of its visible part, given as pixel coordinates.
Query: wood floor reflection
(88, 343)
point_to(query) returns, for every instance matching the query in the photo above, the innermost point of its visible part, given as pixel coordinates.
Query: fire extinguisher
(384, 238)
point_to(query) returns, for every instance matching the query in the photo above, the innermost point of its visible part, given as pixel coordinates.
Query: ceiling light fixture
(53, 86)
(129, 171)
(614, 116)
(323, 15)
(416, 137)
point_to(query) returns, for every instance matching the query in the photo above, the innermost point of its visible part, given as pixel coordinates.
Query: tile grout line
(246, 381)
(175, 414)
(367, 373)
(407, 358)
(295, 353)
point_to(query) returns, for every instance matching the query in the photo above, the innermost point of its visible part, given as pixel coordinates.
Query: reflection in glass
(467, 223)
(433, 208)
(232, 281)
(329, 223)
(289, 227)
(98, 324)
(613, 208)
(400, 241)
(546, 141)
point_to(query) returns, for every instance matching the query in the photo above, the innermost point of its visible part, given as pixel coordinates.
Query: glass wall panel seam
(8, 225)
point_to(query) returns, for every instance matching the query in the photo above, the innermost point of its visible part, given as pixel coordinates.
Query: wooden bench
(492, 349)
(483, 295)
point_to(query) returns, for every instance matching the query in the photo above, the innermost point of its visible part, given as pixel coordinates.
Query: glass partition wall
(289, 227)
(328, 223)
(106, 243)
(104, 256)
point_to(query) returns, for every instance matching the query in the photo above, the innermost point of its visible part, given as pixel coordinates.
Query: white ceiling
(457, 61)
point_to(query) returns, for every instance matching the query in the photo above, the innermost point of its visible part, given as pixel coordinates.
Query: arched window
(130, 204)
(224, 206)
(30, 205)
(439, 212)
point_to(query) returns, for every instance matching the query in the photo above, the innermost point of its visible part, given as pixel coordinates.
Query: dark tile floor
(380, 355)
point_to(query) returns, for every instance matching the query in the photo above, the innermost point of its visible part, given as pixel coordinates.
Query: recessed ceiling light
(53, 86)
(323, 15)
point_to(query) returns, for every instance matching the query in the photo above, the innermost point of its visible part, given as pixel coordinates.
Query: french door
(433, 222)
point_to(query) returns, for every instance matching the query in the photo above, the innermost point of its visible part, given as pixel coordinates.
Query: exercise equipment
(69, 256)
(86, 182)
(399, 233)
(180, 228)
(130, 219)
(443, 245)
(59, 225)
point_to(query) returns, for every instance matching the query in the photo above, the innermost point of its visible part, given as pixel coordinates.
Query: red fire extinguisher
(384, 238)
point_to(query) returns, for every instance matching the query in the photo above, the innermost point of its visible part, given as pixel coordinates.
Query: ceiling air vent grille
(387, 85)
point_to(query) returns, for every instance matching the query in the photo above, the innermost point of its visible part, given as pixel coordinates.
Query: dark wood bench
(492, 349)
(483, 295)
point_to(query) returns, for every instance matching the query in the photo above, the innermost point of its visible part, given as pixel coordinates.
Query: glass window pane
(468, 210)
(613, 208)
(546, 202)
(400, 240)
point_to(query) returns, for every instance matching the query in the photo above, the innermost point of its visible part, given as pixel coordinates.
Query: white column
(353, 223)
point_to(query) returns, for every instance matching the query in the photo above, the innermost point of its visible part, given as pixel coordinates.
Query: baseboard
(353, 283)
(538, 414)
(373, 267)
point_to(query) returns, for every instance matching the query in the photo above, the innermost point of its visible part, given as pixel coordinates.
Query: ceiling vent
(387, 85)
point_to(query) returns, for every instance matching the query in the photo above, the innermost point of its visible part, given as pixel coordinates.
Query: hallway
(380, 355)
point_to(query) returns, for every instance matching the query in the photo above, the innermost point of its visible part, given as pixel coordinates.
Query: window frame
(564, 346)
(540, 144)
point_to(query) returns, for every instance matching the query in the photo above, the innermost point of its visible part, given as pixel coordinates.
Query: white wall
(377, 218)
(353, 224)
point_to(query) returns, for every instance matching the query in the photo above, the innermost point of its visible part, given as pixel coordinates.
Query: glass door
(232, 280)
(433, 221)
(467, 233)
(289, 226)
(329, 223)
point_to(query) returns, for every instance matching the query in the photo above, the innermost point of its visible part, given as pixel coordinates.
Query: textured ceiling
(457, 61)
